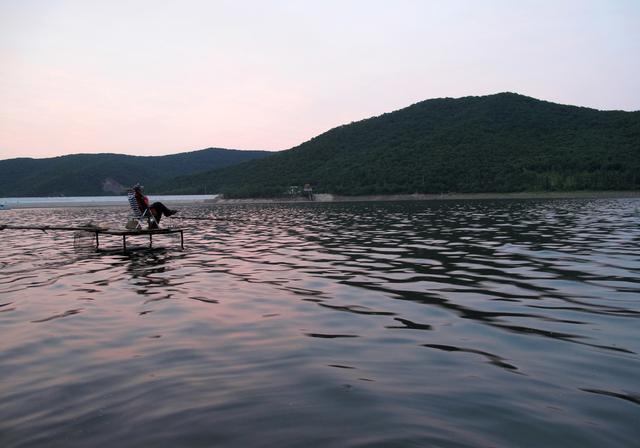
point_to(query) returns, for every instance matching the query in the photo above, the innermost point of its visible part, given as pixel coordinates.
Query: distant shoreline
(324, 198)
(100, 201)
(329, 198)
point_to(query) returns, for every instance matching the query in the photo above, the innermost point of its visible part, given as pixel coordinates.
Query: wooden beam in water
(102, 231)
(45, 228)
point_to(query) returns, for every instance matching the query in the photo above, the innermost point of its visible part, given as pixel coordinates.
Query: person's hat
(138, 186)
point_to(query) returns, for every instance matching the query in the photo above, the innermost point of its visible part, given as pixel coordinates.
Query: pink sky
(150, 77)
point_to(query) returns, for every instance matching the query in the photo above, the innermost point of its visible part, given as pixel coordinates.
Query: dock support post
(150, 240)
(181, 240)
(124, 242)
(97, 241)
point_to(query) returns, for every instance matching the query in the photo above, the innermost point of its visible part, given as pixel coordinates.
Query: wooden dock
(97, 231)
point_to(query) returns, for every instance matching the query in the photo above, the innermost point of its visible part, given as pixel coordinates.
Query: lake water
(445, 324)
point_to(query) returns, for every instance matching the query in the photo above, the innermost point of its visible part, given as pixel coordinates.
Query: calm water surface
(445, 324)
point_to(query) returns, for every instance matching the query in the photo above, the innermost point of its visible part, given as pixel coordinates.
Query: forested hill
(498, 143)
(100, 174)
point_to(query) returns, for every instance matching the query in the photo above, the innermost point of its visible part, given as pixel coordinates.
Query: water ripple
(227, 342)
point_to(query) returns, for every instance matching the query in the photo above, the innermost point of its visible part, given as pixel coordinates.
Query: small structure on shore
(306, 192)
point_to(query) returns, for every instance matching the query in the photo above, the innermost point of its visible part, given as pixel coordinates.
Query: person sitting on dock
(157, 209)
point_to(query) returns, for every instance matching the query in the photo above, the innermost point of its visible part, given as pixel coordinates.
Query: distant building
(307, 192)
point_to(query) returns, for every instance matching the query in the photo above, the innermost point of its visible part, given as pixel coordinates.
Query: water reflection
(457, 323)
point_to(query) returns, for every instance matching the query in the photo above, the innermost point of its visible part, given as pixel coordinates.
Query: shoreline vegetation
(330, 198)
(324, 198)
(108, 174)
(502, 143)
